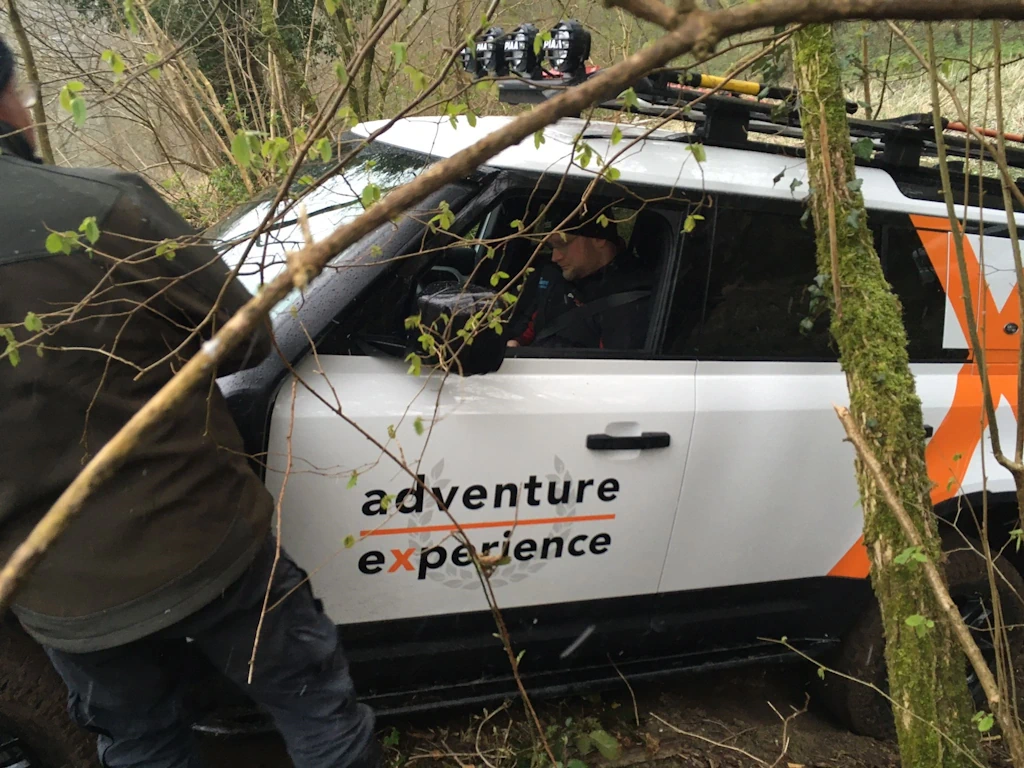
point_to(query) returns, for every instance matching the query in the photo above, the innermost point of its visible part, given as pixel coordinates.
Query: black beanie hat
(6, 65)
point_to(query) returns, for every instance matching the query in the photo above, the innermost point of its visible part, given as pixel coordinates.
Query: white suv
(682, 503)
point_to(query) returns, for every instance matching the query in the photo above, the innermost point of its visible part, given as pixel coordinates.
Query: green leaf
(153, 58)
(606, 744)
(415, 364)
(391, 431)
(616, 135)
(353, 479)
(539, 40)
(113, 58)
(391, 740)
(418, 78)
(575, 763)
(78, 110)
(855, 185)
(584, 744)
(853, 218)
(538, 139)
(55, 242)
(306, 180)
(370, 195)
(821, 672)
(131, 16)
(690, 223)
(698, 152)
(418, 425)
(331, 7)
(794, 184)
(984, 720)
(401, 53)
(612, 173)
(629, 99)
(168, 249)
(90, 229)
(517, 224)
(75, 86)
(13, 354)
(864, 148)
(241, 149)
(603, 220)
(340, 72)
(322, 148)
(33, 323)
(350, 541)
(347, 117)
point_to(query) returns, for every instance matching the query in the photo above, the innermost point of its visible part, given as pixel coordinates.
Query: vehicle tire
(35, 728)
(861, 652)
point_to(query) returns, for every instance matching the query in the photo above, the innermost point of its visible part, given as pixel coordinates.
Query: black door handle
(641, 442)
(929, 430)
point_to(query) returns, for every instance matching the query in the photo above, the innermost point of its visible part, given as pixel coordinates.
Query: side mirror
(456, 317)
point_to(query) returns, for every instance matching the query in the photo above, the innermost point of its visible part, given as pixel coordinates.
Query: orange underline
(494, 524)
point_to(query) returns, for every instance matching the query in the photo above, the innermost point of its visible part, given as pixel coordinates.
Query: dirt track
(733, 709)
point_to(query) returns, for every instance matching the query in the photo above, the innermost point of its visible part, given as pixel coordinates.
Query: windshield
(336, 202)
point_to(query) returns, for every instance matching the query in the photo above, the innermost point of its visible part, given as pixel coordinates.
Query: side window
(594, 291)
(757, 304)
(913, 278)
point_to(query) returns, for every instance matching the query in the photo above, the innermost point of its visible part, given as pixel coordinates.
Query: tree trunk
(926, 668)
(290, 69)
(32, 75)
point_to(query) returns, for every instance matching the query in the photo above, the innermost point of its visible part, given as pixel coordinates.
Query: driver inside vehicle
(592, 295)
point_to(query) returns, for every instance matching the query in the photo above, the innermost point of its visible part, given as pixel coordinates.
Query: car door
(768, 502)
(566, 464)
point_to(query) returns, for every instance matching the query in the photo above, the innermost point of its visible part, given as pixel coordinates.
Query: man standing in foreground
(177, 543)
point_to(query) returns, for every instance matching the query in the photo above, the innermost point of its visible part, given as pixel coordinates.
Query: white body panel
(531, 418)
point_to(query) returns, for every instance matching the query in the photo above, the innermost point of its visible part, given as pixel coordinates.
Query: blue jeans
(130, 698)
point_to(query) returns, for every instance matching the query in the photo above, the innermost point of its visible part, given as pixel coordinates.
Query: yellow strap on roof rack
(737, 86)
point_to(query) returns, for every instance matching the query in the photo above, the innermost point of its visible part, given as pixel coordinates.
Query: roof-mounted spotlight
(490, 51)
(471, 62)
(568, 49)
(519, 52)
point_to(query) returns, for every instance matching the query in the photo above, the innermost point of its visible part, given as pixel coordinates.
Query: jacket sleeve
(200, 280)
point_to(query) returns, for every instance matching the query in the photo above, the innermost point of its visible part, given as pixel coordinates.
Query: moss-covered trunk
(926, 668)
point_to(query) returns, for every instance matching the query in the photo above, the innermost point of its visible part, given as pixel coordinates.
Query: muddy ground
(732, 719)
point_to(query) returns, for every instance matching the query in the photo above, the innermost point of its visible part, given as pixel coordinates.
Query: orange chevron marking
(949, 452)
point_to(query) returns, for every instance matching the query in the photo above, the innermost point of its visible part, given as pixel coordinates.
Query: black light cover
(569, 47)
(519, 54)
(490, 51)
(470, 62)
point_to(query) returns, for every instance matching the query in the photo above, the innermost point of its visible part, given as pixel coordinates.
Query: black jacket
(185, 514)
(607, 310)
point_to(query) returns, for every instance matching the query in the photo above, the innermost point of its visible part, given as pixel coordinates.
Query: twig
(636, 711)
(785, 727)
(277, 543)
(714, 743)
(480, 728)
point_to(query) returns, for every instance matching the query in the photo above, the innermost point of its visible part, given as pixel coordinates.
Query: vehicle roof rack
(727, 117)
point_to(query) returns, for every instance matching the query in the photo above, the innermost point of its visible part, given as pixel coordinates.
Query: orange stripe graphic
(491, 524)
(949, 452)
